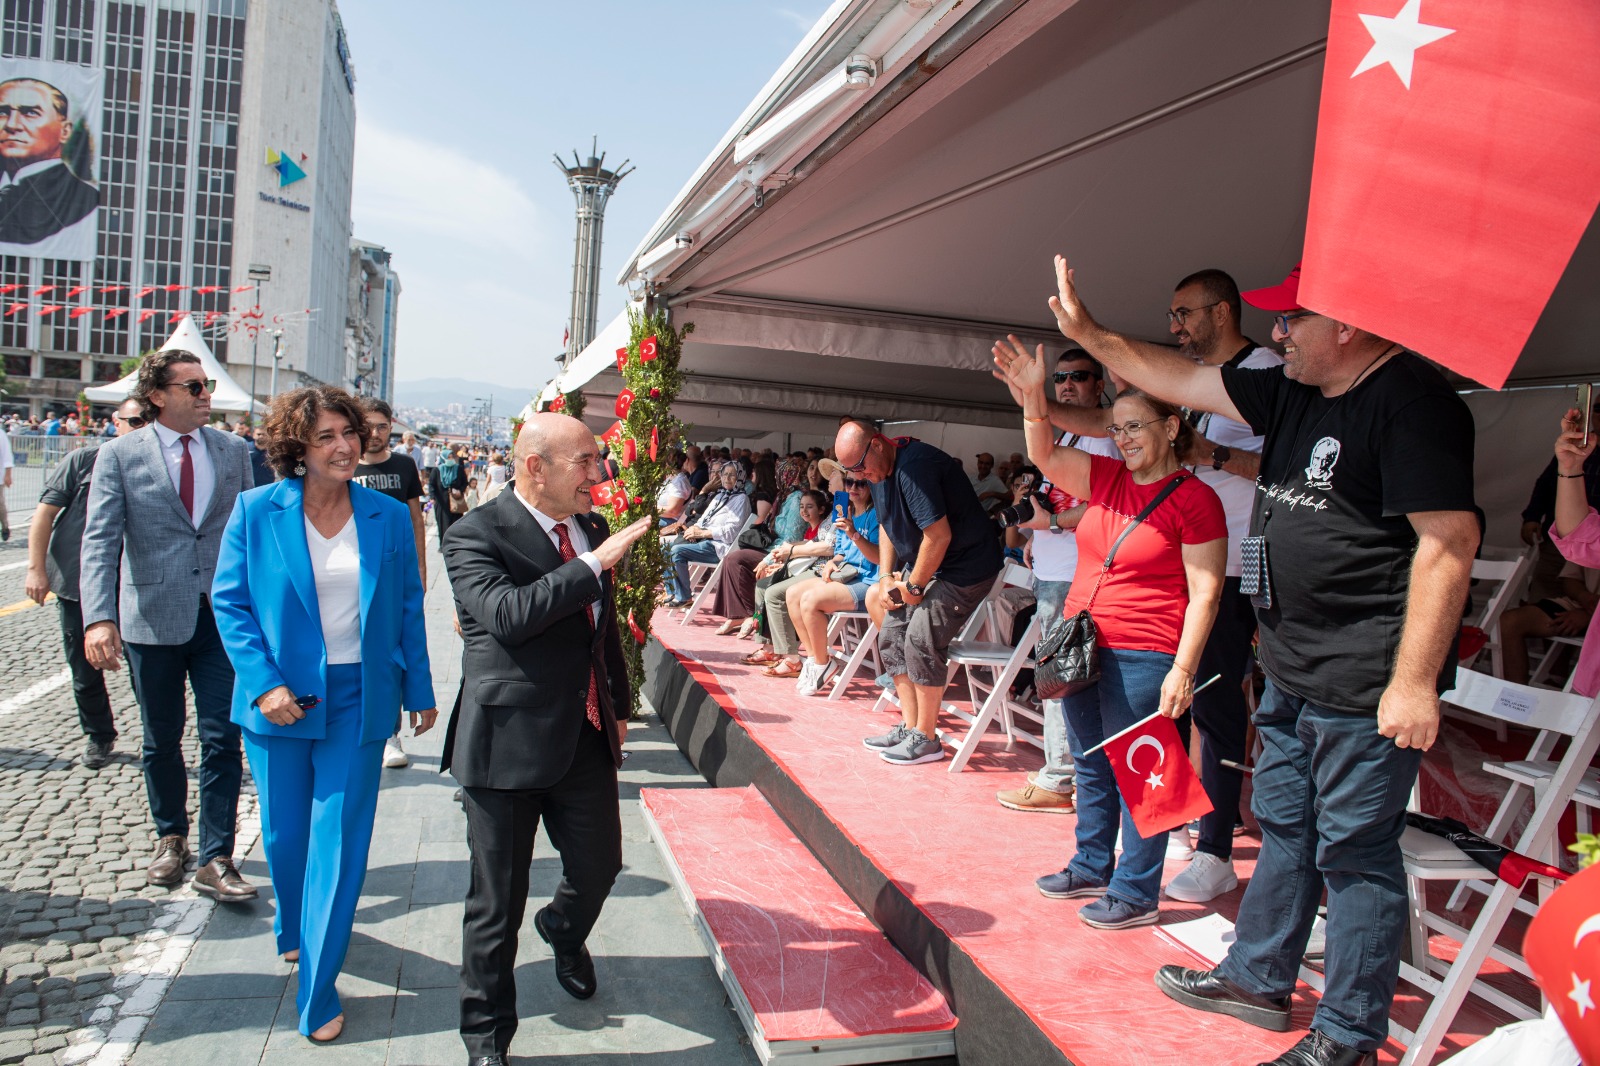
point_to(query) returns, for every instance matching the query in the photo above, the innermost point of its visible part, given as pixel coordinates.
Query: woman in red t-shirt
(1153, 610)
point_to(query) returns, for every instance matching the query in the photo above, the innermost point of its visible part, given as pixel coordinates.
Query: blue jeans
(1330, 794)
(682, 554)
(1057, 773)
(1129, 689)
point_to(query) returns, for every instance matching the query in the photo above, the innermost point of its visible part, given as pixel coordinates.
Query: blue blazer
(265, 600)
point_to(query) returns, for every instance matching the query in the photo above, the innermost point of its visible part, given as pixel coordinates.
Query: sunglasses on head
(195, 387)
(1077, 377)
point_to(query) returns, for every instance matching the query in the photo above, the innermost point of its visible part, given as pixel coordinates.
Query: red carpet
(969, 864)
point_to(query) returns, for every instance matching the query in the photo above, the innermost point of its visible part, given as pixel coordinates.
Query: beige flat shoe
(292, 955)
(730, 626)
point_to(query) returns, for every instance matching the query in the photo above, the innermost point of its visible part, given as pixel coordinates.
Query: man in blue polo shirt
(938, 554)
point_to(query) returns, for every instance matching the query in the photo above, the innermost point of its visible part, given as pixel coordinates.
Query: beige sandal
(730, 626)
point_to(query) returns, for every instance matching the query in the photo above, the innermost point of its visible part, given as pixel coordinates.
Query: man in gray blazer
(160, 499)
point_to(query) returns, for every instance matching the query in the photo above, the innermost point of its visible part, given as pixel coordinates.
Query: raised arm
(1024, 375)
(1157, 370)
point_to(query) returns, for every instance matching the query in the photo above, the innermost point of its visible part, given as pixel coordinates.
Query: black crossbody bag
(1067, 658)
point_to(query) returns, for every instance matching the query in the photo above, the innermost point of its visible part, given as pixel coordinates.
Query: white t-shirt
(1238, 494)
(336, 567)
(676, 487)
(497, 473)
(1055, 555)
(991, 483)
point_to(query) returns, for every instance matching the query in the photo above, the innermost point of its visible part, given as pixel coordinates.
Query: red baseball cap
(1285, 296)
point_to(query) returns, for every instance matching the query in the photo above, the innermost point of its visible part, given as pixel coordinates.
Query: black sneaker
(888, 740)
(96, 753)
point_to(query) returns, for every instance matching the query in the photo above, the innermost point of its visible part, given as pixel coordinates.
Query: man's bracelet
(1026, 418)
(1560, 474)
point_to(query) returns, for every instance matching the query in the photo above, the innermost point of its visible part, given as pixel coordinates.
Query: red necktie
(592, 701)
(186, 479)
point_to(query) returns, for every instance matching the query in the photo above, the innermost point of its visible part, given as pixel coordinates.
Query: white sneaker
(394, 756)
(810, 680)
(1206, 878)
(1178, 844)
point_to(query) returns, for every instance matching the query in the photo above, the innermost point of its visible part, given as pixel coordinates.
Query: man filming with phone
(939, 556)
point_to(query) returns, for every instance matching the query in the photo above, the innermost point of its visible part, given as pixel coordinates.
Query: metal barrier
(33, 457)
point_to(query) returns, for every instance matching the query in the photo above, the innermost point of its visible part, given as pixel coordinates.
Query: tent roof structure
(229, 395)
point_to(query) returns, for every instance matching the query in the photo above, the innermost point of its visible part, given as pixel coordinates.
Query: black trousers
(583, 820)
(88, 684)
(1222, 717)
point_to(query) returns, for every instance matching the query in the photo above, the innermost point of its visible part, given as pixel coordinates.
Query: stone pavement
(100, 967)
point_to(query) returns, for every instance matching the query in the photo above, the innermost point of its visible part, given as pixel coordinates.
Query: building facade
(195, 93)
(374, 305)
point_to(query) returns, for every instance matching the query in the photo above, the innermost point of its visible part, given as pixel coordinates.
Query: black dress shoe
(486, 1060)
(1205, 990)
(1319, 1050)
(96, 753)
(574, 970)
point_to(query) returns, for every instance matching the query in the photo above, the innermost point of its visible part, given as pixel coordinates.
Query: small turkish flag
(1158, 784)
(633, 627)
(619, 503)
(603, 492)
(622, 359)
(1562, 947)
(624, 401)
(647, 349)
(655, 437)
(1455, 169)
(630, 452)
(613, 434)
(558, 403)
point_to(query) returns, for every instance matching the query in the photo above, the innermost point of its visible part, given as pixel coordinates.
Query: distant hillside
(438, 393)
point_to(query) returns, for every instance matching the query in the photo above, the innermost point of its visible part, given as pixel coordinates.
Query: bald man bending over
(539, 724)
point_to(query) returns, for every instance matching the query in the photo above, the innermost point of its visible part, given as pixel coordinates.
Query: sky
(459, 111)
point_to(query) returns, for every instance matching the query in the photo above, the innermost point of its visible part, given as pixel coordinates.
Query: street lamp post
(277, 357)
(259, 272)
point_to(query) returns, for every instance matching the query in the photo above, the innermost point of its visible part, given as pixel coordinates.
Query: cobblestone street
(74, 905)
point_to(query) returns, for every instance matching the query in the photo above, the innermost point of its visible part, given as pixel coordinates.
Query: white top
(5, 452)
(430, 456)
(199, 459)
(990, 483)
(497, 473)
(674, 488)
(1238, 494)
(336, 566)
(1055, 555)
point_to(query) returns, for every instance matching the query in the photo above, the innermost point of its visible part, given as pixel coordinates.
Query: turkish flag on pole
(1456, 167)
(1562, 947)
(1154, 775)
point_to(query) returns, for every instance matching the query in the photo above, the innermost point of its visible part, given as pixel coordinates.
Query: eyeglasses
(1178, 317)
(862, 465)
(857, 483)
(134, 422)
(1077, 377)
(1281, 322)
(1128, 429)
(195, 387)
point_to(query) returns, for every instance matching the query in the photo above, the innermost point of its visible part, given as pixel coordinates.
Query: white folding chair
(857, 636)
(980, 618)
(1555, 647)
(1500, 577)
(1429, 858)
(702, 582)
(1001, 662)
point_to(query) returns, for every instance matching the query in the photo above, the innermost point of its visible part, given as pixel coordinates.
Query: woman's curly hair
(287, 429)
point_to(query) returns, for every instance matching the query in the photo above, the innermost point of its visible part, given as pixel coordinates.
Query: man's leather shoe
(1319, 1050)
(487, 1060)
(166, 868)
(574, 970)
(220, 880)
(96, 753)
(1206, 990)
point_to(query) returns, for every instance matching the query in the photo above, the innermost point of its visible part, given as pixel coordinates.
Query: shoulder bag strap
(1149, 508)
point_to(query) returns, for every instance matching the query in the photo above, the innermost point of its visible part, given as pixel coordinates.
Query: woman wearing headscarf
(712, 535)
(319, 604)
(449, 489)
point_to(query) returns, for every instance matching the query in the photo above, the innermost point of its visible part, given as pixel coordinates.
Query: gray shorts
(915, 640)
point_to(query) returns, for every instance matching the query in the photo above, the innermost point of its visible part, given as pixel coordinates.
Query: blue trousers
(1330, 793)
(158, 673)
(318, 800)
(1129, 689)
(682, 554)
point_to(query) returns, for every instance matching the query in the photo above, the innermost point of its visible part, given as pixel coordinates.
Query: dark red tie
(592, 701)
(186, 479)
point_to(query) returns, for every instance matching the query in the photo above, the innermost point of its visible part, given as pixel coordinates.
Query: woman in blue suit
(319, 603)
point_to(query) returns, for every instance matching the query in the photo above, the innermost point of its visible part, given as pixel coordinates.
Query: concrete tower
(592, 185)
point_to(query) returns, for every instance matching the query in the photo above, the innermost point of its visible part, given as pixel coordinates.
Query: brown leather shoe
(1031, 797)
(166, 868)
(220, 880)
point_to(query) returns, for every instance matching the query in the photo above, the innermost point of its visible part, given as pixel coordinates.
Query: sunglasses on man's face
(209, 385)
(1077, 377)
(134, 422)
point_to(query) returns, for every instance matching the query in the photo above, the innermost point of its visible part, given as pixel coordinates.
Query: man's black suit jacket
(43, 204)
(528, 649)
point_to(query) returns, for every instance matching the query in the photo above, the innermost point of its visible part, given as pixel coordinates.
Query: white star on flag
(1395, 40)
(1580, 996)
(1154, 780)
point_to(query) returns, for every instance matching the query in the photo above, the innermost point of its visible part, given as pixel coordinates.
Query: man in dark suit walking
(539, 724)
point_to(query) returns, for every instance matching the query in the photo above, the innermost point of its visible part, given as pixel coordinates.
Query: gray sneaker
(889, 740)
(915, 748)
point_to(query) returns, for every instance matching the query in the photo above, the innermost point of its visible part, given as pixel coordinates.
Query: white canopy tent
(229, 396)
(854, 248)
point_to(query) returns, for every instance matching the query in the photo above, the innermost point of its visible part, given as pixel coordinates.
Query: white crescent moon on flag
(1161, 753)
(1590, 924)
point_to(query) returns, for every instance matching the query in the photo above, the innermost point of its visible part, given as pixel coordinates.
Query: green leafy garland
(655, 385)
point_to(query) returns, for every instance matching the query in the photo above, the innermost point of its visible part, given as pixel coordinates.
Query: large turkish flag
(1562, 947)
(1457, 164)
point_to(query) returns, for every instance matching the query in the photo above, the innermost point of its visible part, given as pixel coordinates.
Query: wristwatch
(916, 590)
(1054, 526)
(1220, 456)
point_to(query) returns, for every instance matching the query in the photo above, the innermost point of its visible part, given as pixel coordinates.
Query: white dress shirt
(199, 460)
(336, 569)
(580, 539)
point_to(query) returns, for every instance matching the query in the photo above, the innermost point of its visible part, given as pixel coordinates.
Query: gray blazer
(135, 517)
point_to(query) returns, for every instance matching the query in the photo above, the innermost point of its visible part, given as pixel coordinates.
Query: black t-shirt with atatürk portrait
(1338, 477)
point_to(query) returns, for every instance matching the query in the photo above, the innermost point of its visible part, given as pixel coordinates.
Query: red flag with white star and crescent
(1456, 168)
(1156, 779)
(1562, 947)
